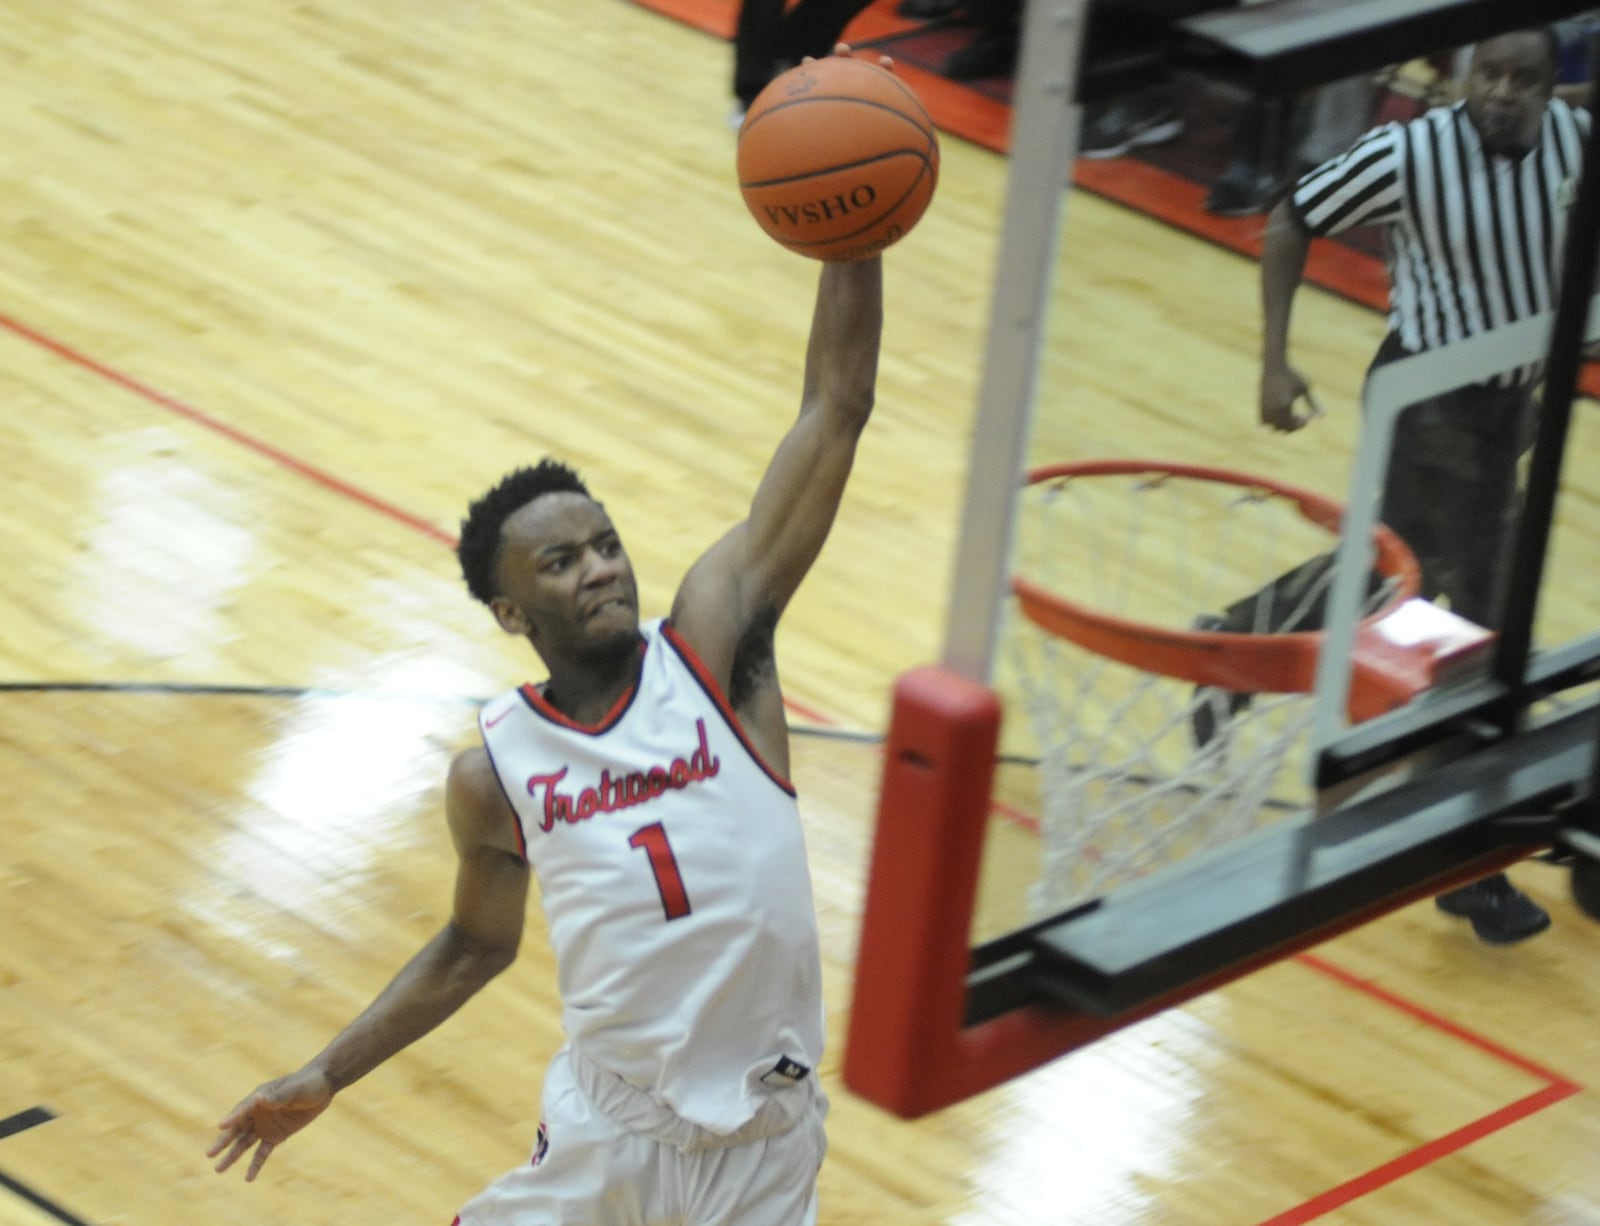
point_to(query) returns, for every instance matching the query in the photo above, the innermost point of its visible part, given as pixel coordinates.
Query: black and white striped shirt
(1474, 242)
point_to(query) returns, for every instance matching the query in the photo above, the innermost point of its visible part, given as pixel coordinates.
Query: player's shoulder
(475, 803)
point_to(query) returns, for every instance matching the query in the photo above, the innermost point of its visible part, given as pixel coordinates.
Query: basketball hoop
(1165, 658)
(1262, 660)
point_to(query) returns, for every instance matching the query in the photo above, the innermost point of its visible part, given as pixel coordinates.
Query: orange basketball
(837, 159)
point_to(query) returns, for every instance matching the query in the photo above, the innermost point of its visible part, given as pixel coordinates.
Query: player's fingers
(263, 1152)
(240, 1145)
(1313, 409)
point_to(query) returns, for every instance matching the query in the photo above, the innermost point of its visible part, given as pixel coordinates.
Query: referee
(1474, 200)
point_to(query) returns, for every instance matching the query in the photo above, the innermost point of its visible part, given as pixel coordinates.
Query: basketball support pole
(907, 1047)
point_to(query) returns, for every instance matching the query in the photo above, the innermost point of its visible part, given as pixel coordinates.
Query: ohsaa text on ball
(814, 211)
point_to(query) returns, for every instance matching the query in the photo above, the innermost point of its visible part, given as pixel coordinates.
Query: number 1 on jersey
(674, 898)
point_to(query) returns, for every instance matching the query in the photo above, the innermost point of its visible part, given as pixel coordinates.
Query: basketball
(837, 159)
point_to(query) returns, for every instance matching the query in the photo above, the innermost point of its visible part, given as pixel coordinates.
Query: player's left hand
(272, 1114)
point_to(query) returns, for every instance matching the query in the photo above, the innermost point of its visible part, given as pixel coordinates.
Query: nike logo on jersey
(785, 1073)
(494, 719)
(622, 792)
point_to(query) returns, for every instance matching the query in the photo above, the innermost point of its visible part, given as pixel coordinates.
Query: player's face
(566, 581)
(1508, 87)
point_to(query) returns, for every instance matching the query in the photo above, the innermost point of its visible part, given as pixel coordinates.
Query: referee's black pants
(1452, 494)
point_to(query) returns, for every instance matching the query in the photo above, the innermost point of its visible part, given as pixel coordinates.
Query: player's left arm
(479, 941)
(744, 582)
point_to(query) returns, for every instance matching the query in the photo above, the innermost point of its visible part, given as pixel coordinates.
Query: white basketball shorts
(588, 1170)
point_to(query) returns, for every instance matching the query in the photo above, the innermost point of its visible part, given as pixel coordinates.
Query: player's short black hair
(478, 549)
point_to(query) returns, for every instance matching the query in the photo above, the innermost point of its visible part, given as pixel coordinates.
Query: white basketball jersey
(672, 870)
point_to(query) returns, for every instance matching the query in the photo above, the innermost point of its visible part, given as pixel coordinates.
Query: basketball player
(645, 784)
(1473, 198)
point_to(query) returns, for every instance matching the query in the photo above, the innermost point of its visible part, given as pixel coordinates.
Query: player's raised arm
(477, 944)
(748, 577)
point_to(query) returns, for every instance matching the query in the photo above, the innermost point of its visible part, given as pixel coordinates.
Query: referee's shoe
(1500, 913)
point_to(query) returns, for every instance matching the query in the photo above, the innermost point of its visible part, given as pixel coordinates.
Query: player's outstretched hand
(267, 1118)
(884, 61)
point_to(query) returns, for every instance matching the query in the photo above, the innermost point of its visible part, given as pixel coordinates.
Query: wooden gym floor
(282, 287)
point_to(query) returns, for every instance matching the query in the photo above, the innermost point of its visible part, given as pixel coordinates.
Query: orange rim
(1261, 663)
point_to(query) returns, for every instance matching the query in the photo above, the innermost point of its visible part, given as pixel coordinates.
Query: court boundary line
(1556, 1089)
(820, 726)
(40, 1202)
(24, 1120)
(1422, 1156)
(269, 451)
(21, 1122)
(825, 726)
(233, 434)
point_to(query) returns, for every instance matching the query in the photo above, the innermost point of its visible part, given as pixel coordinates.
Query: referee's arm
(1283, 266)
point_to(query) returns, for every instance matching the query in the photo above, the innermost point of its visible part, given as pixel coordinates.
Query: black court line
(203, 690)
(826, 732)
(24, 1120)
(43, 1203)
(237, 691)
(10, 1127)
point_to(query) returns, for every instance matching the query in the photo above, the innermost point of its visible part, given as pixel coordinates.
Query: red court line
(805, 712)
(1423, 1155)
(1179, 202)
(1014, 815)
(963, 112)
(1555, 1090)
(232, 433)
(268, 451)
(1436, 1021)
(714, 17)
(718, 17)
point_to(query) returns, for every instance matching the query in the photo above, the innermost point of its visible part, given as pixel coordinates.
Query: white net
(1140, 769)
